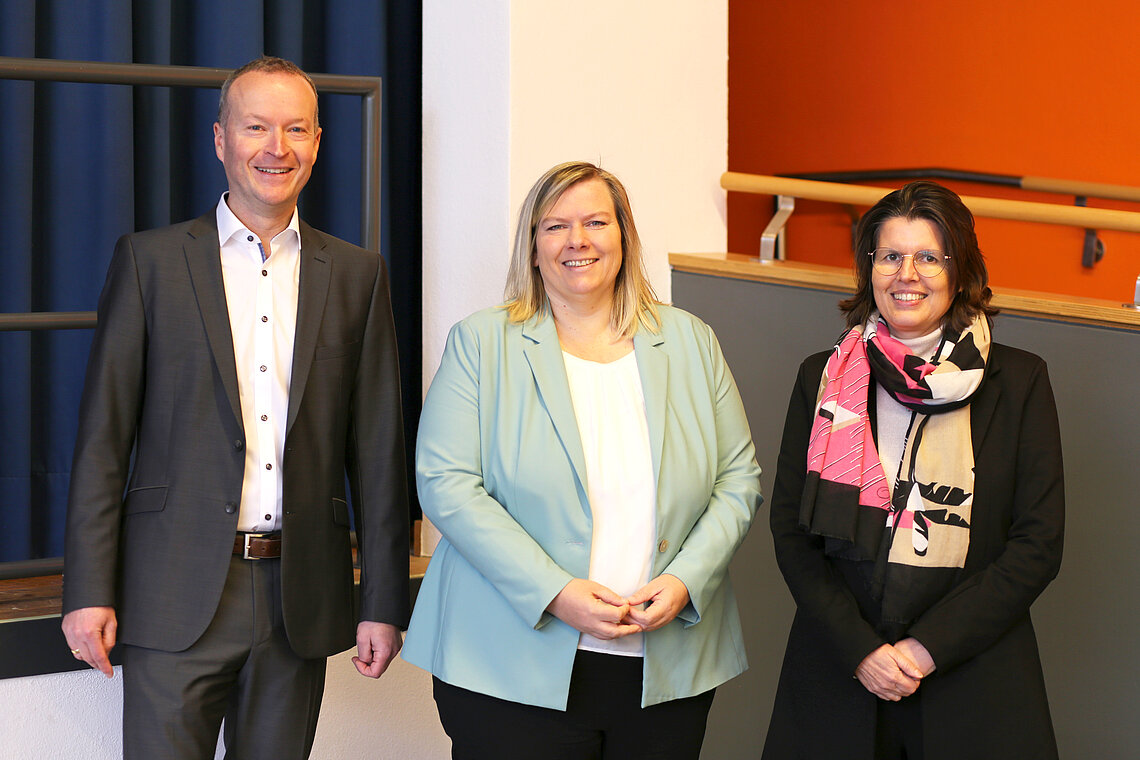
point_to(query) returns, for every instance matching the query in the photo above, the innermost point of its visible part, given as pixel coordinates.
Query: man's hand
(666, 595)
(377, 644)
(90, 632)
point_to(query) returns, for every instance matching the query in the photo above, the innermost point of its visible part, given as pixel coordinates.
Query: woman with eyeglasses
(918, 511)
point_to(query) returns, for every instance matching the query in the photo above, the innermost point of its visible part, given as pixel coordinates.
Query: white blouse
(610, 409)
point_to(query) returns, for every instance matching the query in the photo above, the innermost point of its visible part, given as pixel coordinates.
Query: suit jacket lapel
(203, 258)
(316, 270)
(982, 406)
(544, 354)
(653, 365)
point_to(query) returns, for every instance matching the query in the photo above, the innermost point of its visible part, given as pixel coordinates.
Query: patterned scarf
(918, 534)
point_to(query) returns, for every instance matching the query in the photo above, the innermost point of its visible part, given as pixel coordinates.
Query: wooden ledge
(24, 598)
(32, 643)
(1092, 311)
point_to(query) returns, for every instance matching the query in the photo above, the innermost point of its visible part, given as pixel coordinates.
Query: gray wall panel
(1087, 621)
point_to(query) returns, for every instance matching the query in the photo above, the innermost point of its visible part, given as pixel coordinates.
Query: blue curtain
(82, 164)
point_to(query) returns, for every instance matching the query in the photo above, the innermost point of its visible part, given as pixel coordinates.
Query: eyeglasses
(888, 261)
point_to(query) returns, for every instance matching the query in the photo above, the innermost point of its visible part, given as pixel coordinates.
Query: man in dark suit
(248, 361)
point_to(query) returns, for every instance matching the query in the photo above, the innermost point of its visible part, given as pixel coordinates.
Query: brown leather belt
(257, 545)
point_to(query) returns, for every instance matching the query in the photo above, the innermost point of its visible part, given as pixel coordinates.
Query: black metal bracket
(1093, 250)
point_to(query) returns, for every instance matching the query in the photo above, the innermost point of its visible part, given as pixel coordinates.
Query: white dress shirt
(261, 296)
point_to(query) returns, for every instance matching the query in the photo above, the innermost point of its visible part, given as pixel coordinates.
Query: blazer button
(230, 507)
(238, 445)
(664, 545)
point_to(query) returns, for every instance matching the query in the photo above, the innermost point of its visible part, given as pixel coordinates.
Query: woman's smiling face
(578, 245)
(911, 304)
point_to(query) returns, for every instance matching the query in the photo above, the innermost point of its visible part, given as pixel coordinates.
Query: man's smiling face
(268, 144)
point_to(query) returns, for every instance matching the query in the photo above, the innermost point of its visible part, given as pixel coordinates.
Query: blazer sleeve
(820, 591)
(702, 562)
(977, 612)
(108, 419)
(375, 462)
(449, 476)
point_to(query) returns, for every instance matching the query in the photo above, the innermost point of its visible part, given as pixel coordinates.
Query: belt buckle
(245, 546)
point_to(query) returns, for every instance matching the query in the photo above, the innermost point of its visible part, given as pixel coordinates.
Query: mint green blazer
(501, 473)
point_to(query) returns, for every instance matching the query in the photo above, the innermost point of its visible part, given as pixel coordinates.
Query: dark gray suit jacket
(152, 535)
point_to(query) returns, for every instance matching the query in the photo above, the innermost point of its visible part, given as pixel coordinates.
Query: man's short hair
(267, 64)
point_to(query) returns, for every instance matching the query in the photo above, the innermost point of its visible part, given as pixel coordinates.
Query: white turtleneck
(891, 417)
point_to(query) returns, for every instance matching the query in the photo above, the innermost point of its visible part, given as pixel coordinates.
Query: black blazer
(987, 696)
(151, 535)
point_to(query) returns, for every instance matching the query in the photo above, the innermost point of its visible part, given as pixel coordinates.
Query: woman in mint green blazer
(584, 451)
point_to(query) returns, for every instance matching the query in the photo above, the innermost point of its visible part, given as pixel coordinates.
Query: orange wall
(1044, 88)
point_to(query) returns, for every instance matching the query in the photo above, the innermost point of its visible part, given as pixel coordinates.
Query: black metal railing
(94, 72)
(1093, 247)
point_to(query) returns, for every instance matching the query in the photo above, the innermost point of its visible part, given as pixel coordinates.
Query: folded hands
(595, 609)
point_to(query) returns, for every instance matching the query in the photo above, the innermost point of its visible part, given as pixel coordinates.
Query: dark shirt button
(269, 467)
(249, 238)
(269, 517)
(264, 417)
(265, 319)
(230, 507)
(238, 445)
(263, 367)
(264, 273)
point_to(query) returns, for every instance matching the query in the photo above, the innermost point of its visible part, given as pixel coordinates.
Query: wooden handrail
(994, 208)
(1075, 188)
(1082, 189)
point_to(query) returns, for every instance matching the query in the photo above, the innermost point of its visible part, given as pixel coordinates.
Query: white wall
(639, 87)
(61, 717)
(77, 716)
(509, 90)
(466, 159)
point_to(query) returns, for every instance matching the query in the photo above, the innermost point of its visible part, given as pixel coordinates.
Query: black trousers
(898, 729)
(241, 668)
(603, 719)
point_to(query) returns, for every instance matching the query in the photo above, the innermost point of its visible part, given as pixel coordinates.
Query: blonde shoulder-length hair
(634, 303)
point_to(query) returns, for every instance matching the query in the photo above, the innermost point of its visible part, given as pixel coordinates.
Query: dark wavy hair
(955, 225)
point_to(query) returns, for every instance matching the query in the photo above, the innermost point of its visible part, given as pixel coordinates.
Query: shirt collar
(229, 225)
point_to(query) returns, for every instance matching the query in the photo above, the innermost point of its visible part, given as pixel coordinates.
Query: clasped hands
(594, 609)
(894, 672)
